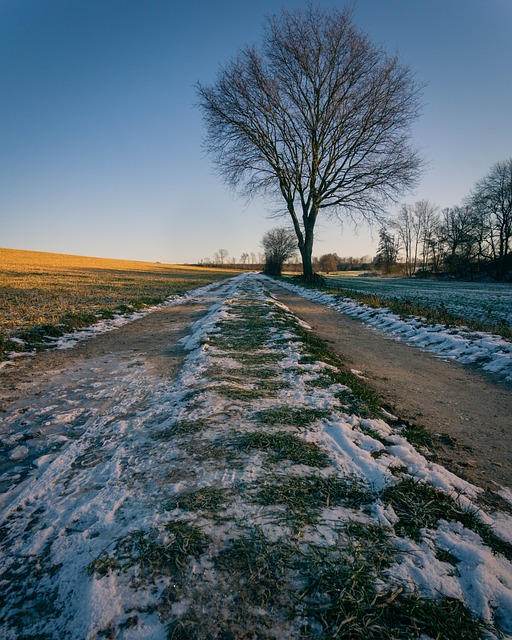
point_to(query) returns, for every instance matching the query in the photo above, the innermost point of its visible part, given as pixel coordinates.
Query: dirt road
(471, 410)
(151, 486)
(49, 400)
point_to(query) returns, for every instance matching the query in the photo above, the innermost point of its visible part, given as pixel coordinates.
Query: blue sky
(100, 141)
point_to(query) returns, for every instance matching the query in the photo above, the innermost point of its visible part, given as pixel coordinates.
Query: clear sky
(100, 141)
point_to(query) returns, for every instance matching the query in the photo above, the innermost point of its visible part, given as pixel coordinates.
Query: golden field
(50, 293)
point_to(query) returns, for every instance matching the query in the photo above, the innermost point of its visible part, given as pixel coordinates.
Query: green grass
(180, 428)
(210, 499)
(341, 596)
(290, 416)
(153, 553)
(257, 567)
(242, 394)
(332, 588)
(261, 373)
(431, 315)
(305, 496)
(281, 445)
(419, 505)
(360, 398)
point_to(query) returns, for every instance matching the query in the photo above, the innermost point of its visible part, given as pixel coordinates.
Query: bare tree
(428, 225)
(414, 225)
(319, 117)
(492, 199)
(404, 225)
(222, 254)
(387, 251)
(459, 233)
(328, 262)
(279, 244)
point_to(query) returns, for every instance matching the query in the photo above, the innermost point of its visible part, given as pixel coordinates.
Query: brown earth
(468, 412)
(471, 413)
(151, 340)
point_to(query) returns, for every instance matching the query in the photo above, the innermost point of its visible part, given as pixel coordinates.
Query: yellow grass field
(49, 293)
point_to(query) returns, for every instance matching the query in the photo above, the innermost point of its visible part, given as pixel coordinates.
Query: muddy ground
(469, 410)
(469, 413)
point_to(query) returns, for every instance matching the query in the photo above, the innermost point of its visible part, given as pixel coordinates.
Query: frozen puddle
(255, 496)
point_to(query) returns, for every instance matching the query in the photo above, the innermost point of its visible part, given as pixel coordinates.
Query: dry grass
(47, 289)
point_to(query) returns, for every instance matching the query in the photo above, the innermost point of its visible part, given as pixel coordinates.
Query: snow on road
(253, 496)
(490, 352)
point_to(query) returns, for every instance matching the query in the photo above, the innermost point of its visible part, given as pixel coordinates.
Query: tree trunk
(307, 251)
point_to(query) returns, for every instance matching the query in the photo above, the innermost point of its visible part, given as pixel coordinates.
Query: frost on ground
(262, 495)
(490, 352)
(489, 302)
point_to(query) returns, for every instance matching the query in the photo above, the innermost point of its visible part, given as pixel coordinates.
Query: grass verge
(45, 295)
(431, 315)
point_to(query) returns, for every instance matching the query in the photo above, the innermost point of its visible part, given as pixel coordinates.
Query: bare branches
(279, 245)
(319, 117)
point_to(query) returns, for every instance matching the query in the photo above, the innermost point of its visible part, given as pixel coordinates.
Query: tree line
(319, 119)
(474, 238)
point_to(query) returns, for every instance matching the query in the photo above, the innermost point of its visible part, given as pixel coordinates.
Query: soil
(151, 341)
(468, 412)
(50, 399)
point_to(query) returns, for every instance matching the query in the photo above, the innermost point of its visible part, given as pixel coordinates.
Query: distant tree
(318, 117)
(414, 225)
(459, 233)
(387, 251)
(403, 224)
(492, 200)
(328, 262)
(222, 255)
(244, 258)
(253, 257)
(428, 226)
(279, 244)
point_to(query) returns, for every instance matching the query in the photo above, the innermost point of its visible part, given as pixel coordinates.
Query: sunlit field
(48, 293)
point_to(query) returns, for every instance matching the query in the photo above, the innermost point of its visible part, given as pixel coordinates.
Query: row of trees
(280, 248)
(463, 240)
(221, 257)
(252, 259)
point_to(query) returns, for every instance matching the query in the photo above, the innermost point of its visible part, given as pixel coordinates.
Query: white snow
(490, 352)
(19, 453)
(113, 471)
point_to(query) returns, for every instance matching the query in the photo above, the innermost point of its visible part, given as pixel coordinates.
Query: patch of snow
(19, 453)
(490, 352)
(506, 494)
